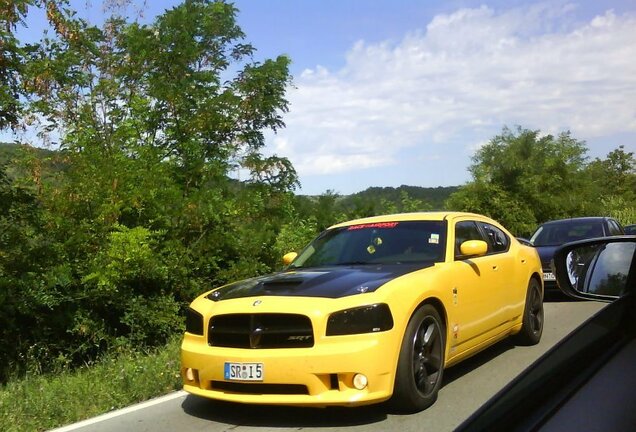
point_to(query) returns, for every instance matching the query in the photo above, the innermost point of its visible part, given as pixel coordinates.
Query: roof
(417, 216)
(577, 219)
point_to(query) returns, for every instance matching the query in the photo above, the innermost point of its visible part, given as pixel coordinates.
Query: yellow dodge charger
(372, 310)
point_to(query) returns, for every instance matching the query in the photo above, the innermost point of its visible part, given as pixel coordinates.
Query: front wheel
(421, 364)
(532, 327)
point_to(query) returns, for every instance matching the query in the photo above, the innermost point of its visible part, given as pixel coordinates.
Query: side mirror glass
(596, 269)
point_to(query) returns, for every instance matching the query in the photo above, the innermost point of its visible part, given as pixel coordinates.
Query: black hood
(546, 253)
(330, 282)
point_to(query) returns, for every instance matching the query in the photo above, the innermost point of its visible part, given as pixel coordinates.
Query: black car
(587, 382)
(550, 235)
(630, 229)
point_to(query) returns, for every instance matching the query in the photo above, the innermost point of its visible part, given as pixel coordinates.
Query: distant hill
(435, 196)
(10, 152)
(432, 195)
(7, 153)
(13, 156)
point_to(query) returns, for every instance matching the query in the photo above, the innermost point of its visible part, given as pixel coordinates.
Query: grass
(38, 403)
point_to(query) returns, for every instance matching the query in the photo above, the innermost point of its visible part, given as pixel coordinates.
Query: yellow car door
(511, 287)
(478, 292)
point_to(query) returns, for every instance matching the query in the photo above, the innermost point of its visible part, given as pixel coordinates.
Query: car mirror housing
(595, 269)
(289, 257)
(473, 248)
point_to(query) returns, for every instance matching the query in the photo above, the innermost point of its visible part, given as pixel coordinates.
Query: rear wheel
(421, 364)
(532, 327)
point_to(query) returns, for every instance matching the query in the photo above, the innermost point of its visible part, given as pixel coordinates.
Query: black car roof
(578, 219)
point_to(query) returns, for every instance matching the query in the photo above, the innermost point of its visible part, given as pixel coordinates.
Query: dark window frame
(492, 247)
(614, 228)
(481, 228)
(457, 255)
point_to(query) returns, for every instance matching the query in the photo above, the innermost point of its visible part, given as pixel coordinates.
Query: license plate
(549, 276)
(243, 371)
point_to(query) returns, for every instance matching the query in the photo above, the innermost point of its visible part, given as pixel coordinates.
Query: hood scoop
(282, 284)
(332, 282)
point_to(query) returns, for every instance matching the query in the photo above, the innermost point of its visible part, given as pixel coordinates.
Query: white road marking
(121, 412)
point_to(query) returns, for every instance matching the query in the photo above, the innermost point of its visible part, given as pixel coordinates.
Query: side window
(614, 228)
(498, 241)
(465, 231)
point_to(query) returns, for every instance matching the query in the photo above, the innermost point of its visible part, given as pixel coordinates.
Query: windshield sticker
(371, 249)
(434, 239)
(373, 225)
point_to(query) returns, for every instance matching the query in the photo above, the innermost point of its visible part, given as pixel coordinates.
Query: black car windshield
(376, 243)
(555, 234)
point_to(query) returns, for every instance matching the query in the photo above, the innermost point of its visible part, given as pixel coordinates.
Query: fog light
(189, 374)
(360, 381)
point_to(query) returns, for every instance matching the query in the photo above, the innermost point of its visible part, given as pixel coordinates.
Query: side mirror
(595, 269)
(473, 248)
(289, 257)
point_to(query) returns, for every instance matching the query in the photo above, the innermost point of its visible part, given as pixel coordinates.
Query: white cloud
(471, 148)
(466, 75)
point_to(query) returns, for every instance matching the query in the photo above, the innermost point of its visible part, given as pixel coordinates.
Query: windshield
(376, 243)
(556, 234)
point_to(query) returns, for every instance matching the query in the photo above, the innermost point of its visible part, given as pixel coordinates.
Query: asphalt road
(466, 387)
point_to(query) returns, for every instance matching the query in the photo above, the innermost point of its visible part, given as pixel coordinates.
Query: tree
(151, 121)
(613, 181)
(523, 178)
(326, 210)
(30, 276)
(12, 13)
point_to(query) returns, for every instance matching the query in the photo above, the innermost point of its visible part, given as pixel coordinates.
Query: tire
(532, 324)
(420, 366)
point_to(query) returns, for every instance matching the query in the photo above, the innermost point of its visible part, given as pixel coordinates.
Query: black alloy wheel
(421, 363)
(427, 355)
(532, 327)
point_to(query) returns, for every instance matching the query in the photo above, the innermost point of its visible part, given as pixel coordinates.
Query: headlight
(194, 322)
(365, 319)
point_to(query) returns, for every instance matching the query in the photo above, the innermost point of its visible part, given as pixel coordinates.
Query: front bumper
(318, 376)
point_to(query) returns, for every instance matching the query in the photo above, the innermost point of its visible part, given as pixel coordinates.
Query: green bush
(42, 402)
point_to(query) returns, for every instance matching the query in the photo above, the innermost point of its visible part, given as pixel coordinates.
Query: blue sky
(399, 92)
